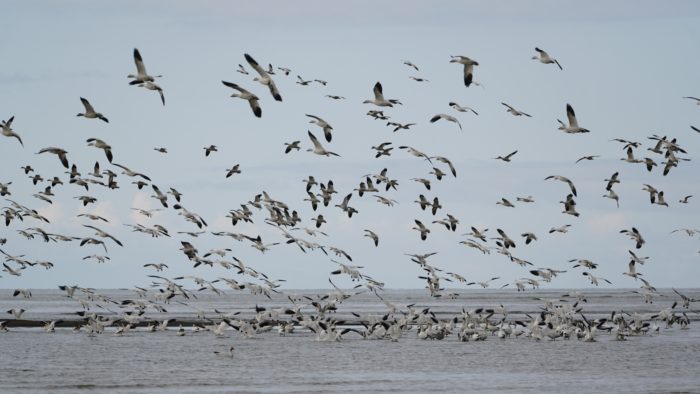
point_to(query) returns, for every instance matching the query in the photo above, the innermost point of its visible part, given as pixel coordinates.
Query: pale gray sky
(626, 70)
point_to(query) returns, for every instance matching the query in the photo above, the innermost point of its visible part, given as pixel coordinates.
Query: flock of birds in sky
(315, 313)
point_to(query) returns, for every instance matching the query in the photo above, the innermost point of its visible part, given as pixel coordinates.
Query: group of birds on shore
(561, 320)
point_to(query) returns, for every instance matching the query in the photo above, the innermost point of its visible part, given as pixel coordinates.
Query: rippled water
(33, 361)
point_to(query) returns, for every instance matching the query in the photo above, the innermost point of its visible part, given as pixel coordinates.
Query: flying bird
(327, 128)
(468, 68)
(515, 112)
(573, 126)
(90, 112)
(141, 75)
(449, 118)
(7, 130)
(246, 95)
(318, 148)
(379, 99)
(264, 77)
(544, 57)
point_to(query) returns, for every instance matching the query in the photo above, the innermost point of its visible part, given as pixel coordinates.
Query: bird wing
(273, 90)
(378, 95)
(571, 115)
(86, 104)
(468, 74)
(315, 141)
(234, 86)
(255, 65)
(255, 106)
(140, 68)
(435, 118)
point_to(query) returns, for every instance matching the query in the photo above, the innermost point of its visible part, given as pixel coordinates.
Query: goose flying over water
(90, 112)
(7, 129)
(543, 57)
(264, 77)
(246, 95)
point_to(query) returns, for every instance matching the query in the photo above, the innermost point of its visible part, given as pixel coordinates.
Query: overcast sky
(626, 71)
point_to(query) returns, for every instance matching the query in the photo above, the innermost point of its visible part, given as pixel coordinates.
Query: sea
(65, 361)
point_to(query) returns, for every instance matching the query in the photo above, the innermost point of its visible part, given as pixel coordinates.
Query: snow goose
(7, 130)
(613, 196)
(301, 81)
(246, 95)
(233, 170)
(318, 148)
(264, 77)
(400, 126)
(103, 234)
(62, 154)
(507, 157)
(468, 68)
(573, 126)
(460, 108)
(543, 57)
(563, 179)
(515, 112)
(228, 353)
(16, 312)
(379, 99)
(449, 118)
(99, 144)
(635, 235)
(141, 74)
(588, 157)
(373, 236)
(631, 271)
(209, 149)
(594, 279)
(128, 172)
(410, 64)
(448, 162)
(614, 178)
(327, 128)
(152, 86)
(90, 111)
(420, 227)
